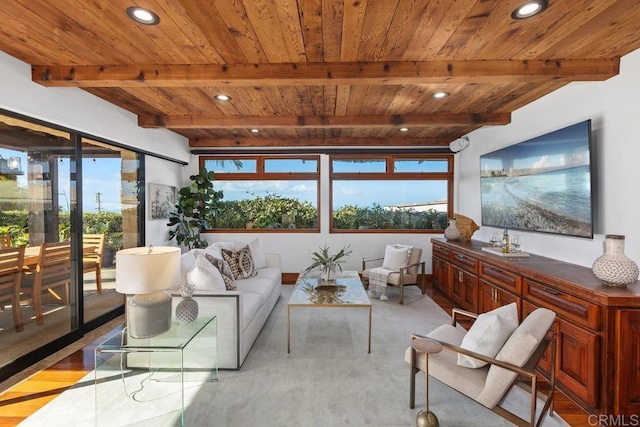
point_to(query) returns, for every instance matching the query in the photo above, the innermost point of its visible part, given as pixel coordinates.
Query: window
(391, 193)
(275, 193)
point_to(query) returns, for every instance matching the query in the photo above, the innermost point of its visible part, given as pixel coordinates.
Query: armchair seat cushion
(394, 278)
(444, 366)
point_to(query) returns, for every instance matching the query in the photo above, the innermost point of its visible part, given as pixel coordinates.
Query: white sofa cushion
(251, 303)
(272, 273)
(488, 334)
(187, 262)
(256, 285)
(259, 258)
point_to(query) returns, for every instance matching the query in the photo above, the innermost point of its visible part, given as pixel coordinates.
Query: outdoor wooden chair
(5, 241)
(52, 272)
(92, 261)
(489, 385)
(10, 280)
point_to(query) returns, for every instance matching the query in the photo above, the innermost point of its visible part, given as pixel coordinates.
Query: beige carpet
(329, 379)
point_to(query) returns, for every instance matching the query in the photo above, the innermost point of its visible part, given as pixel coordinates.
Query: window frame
(261, 175)
(391, 175)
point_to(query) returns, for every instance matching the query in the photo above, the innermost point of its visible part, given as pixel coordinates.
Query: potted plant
(327, 263)
(197, 208)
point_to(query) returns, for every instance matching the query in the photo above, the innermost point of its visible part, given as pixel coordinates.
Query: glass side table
(148, 380)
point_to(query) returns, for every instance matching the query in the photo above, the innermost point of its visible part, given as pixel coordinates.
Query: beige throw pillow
(395, 257)
(488, 334)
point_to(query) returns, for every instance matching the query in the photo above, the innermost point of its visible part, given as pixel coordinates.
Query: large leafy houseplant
(197, 208)
(326, 262)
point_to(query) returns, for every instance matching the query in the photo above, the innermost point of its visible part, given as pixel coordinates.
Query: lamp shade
(147, 269)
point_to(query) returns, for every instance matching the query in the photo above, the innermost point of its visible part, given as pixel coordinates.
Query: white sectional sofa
(240, 313)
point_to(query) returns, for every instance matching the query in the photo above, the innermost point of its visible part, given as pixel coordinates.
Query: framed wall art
(162, 199)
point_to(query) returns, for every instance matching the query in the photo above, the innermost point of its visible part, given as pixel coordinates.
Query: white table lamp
(146, 272)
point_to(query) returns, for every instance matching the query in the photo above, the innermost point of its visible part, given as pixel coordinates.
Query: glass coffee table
(349, 293)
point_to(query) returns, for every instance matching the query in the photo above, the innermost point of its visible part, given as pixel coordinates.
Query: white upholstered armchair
(402, 271)
(488, 385)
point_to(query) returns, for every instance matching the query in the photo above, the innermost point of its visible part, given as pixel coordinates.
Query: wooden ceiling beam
(320, 122)
(319, 142)
(341, 73)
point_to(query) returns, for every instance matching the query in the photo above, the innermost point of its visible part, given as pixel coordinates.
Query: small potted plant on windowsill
(327, 264)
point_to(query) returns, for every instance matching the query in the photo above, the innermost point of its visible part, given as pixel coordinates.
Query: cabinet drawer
(566, 305)
(466, 262)
(440, 252)
(501, 277)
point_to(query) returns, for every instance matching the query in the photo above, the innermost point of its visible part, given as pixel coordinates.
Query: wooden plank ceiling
(319, 72)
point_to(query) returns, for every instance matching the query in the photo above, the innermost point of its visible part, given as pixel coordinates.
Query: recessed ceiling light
(529, 9)
(255, 130)
(222, 97)
(439, 95)
(404, 129)
(142, 15)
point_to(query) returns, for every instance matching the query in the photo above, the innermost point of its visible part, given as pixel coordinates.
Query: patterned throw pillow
(224, 269)
(241, 263)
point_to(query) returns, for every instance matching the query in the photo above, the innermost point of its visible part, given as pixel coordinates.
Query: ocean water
(565, 193)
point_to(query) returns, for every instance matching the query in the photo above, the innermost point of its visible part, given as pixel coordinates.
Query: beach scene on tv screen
(542, 185)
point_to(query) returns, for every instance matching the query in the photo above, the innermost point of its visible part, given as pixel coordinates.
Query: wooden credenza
(598, 327)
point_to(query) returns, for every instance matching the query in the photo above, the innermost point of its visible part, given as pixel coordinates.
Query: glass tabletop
(349, 292)
(177, 337)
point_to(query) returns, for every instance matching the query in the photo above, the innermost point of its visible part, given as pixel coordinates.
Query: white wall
(79, 110)
(295, 248)
(614, 108)
(158, 171)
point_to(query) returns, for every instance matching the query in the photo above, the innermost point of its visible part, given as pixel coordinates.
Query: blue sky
(103, 177)
(360, 193)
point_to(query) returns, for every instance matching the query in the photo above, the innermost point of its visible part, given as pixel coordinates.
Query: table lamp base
(149, 314)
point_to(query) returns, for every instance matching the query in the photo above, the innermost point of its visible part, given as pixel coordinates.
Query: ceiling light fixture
(142, 15)
(529, 9)
(439, 95)
(222, 97)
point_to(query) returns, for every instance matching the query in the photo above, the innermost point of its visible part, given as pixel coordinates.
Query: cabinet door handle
(551, 291)
(460, 256)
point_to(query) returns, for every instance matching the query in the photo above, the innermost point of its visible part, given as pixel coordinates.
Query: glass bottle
(505, 241)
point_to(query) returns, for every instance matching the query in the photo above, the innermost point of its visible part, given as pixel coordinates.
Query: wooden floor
(23, 399)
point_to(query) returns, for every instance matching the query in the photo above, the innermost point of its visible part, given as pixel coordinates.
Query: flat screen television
(543, 184)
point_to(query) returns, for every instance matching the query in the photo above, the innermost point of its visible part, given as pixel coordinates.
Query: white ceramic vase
(614, 268)
(452, 232)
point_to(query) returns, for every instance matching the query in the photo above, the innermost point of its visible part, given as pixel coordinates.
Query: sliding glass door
(110, 219)
(37, 202)
(71, 201)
